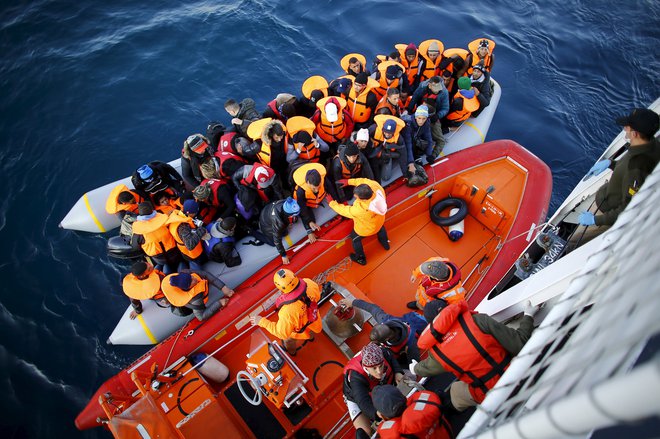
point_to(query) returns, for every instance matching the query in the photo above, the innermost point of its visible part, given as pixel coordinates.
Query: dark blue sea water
(91, 90)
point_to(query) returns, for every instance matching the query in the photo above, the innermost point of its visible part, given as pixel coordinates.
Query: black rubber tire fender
(446, 221)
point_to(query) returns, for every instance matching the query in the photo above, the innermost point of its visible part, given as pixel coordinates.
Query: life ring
(448, 202)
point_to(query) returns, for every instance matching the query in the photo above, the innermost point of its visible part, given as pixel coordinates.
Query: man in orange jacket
(438, 278)
(368, 215)
(297, 315)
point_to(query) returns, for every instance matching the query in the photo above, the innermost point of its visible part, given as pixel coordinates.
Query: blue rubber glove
(587, 219)
(599, 167)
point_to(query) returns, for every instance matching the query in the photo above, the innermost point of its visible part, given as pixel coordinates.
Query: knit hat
(202, 192)
(302, 137)
(433, 47)
(361, 78)
(393, 72)
(411, 49)
(351, 150)
(480, 67)
(422, 111)
(331, 112)
(362, 134)
(642, 120)
(181, 280)
(433, 308)
(138, 268)
(291, 207)
(190, 206)
(437, 270)
(145, 172)
(464, 83)
(389, 401)
(316, 96)
(372, 355)
(389, 126)
(484, 43)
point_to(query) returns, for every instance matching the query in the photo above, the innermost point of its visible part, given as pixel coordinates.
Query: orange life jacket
(347, 173)
(450, 290)
(296, 124)
(457, 343)
(172, 204)
(355, 364)
(357, 105)
(143, 289)
(422, 418)
(113, 206)
(488, 60)
(311, 307)
(394, 110)
(175, 219)
(157, 237)
(344, 62)
(469, 105)
(430, 67)
(313, 200)
(411, 68)
(378, 137)
(382, 68)
(448, 53)
(332, 132)
(313, 83)
(178, 297)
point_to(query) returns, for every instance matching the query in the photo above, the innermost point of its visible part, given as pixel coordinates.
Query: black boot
(358, 260)
(412, 305)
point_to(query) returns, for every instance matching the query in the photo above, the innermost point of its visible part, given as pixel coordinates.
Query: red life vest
(422, 418)
(251, 182)
(225, 156)
(273, 106)
(458, 344)
(300, 293)
(446, 289)
(214, 184)
(355, 364)
(225, 142)
(397, 348)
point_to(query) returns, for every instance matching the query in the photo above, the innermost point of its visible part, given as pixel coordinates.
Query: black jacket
(274, 224)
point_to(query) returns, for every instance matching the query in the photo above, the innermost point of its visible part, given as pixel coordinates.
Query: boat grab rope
(339, 267)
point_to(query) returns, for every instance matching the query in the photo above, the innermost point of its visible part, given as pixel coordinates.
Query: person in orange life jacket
(465, 102)
(334, 123)
(188, 234)
(481, 84)
(413, 63)
(434, 94)
(366, 147)
(474, 347)
(191, 289)
(362, 107)
(389, 133)
(143, 283)
(390, 103)
(242, 114)
(450, 84)
(419, 132)
(196, 149)
(340, 87)
(455, 63)
(354, 64)
(305, 148)
(220, 245)
(373, 366)
(311, 189)
(399, 334)
(257, 184)
(437, 278)
(122, 201)
(419, 415)
(349, 163)
(155, 178)
(368, 215)
(274, 222)
(391, 76)
(297, 310)
(481, 51)
(152, 234)
(282, 107)
(430, 51)
(314, 89)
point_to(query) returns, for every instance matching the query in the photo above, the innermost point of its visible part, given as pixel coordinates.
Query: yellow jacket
(368, 215)
(292, 317)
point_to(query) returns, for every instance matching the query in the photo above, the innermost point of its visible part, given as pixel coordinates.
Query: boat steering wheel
(241, 378)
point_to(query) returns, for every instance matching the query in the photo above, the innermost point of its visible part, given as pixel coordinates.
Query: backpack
(214, 131)
(417, 178)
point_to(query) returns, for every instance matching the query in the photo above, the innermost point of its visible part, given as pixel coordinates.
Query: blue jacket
(441, 103)
(415, 132)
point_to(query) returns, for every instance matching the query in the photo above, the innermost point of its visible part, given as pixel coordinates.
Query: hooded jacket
(368, 215)
(274, 223)
(248, 114)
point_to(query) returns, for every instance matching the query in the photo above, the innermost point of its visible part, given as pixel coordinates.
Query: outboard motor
(119, 248)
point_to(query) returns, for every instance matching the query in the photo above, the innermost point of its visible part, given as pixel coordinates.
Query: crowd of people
(337, 142)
